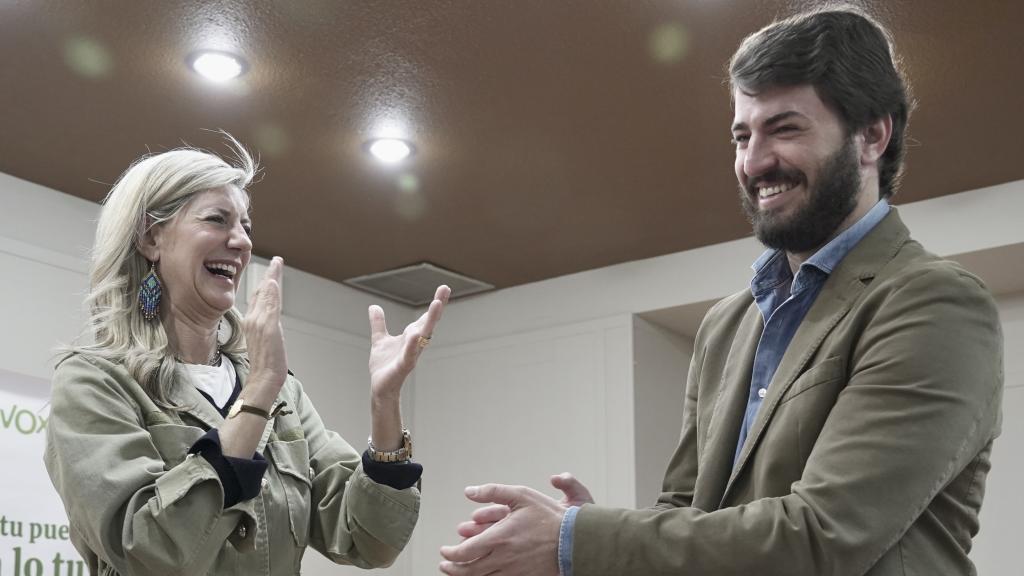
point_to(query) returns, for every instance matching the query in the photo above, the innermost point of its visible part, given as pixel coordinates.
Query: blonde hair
(152, 191)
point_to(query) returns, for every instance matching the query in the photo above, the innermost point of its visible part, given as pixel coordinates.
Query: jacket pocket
(809, 401)
(827, 371)
(172, 441)
(291, 459)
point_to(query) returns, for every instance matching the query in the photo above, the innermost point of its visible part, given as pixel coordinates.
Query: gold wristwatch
(240, 406)
(401, 455)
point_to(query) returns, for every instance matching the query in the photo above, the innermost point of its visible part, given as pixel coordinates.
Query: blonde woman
(178, 440)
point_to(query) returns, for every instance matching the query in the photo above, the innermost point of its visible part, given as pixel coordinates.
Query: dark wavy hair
(848, 57)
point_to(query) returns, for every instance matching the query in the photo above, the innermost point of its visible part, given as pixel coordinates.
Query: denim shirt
(784, 300)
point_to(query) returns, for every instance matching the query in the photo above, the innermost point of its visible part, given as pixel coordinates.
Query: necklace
(214, 361)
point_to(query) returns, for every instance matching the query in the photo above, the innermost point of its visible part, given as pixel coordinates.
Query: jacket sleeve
(921, 401)
(129, 506)
(354, 519)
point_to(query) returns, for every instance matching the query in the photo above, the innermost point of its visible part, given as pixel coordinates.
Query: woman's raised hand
(264, 338)
(392, 358)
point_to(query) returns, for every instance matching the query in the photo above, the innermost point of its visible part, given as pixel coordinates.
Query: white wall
(519, 383)
(661, 360)
(516, 409)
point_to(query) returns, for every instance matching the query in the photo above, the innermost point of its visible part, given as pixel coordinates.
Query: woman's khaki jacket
(139, 504)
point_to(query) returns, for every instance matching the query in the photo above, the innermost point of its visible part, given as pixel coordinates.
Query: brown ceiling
(552, 136)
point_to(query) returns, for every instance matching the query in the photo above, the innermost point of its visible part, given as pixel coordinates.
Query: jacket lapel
(185, 395)
(837, 297)
(717, 458)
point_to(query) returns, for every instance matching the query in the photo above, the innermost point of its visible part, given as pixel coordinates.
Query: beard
(814, 222)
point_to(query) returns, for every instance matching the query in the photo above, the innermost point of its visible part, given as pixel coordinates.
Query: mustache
(776, 176)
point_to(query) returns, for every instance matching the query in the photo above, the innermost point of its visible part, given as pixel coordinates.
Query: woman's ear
(148, 243)
(876, 139)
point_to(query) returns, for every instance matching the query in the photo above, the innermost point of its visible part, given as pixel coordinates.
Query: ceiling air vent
(414, 285)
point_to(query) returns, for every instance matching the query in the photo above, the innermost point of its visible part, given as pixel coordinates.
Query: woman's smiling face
(202, 252)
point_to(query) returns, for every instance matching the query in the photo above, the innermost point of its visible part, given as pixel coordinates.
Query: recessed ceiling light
(390, 150)
(217, 66)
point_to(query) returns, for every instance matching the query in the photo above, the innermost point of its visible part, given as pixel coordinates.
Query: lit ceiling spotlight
(390, 150)
(217, 66)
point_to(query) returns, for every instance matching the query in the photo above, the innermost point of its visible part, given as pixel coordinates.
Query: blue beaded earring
(149, 294)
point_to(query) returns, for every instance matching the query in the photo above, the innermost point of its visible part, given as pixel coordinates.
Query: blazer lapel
(841, 290)
(717, 458)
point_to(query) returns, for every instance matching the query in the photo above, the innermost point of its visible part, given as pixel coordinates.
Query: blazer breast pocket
(827, 371)
(809, 401)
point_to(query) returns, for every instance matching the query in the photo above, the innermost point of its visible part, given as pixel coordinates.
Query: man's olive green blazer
(869, 453)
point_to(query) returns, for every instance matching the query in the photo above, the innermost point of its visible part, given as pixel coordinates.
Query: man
(840, 413)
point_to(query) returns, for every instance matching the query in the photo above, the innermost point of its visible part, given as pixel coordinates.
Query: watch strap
(240, 406)
(402, 454)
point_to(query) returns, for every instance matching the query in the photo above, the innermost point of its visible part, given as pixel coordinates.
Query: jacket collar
(184, 395)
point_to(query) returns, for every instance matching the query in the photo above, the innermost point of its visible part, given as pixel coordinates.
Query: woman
(178, 441)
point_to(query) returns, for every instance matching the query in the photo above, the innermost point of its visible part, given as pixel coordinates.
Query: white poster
(34, 536)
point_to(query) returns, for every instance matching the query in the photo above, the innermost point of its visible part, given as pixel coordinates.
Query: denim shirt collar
(772, 268)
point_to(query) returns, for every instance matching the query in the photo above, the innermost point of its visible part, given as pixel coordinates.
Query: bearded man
(839, 413)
